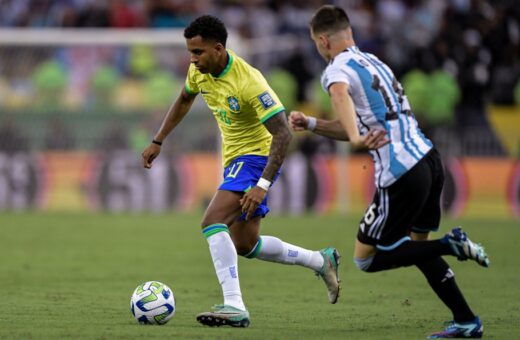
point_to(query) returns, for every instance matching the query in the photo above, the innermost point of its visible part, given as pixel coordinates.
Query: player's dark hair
(209, 28)
(330, 19)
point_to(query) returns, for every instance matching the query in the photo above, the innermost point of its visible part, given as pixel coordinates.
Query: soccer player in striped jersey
(366, 98)
(255, 138)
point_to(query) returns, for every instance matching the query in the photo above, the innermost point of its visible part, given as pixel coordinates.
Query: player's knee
(364, 263)
(419, 236)
(244, 249)
(205, 224)
(212, 218)
(209, 221)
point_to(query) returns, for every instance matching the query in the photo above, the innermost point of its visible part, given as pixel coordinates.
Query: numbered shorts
(242, 174)
(412, 203)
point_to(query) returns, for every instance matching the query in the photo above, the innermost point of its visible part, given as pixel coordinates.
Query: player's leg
(250, 244)
(244, 173)
(221, 212)
(442, 280)
(383, 240)
(437, 272)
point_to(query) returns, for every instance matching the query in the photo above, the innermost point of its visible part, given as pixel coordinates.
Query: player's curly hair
(330, 19)
(209, 28)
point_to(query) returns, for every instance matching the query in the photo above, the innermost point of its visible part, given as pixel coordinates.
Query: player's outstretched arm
(279, 129)
(327, 128)
(175, 114)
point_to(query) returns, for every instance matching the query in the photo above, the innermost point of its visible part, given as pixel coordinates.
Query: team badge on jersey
(233, 104)
(266, 100)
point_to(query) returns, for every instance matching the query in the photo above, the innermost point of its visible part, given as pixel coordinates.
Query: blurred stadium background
(84, 85)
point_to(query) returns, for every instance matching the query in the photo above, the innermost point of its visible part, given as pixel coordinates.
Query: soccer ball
(152, 303)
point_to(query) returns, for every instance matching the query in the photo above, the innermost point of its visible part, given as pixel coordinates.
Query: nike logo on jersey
(203, 92)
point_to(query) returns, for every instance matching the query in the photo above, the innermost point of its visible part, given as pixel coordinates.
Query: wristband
(156, 142)
(263, 183)
(311, 124)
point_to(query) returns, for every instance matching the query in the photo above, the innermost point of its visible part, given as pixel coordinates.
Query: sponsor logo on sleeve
(266, 100)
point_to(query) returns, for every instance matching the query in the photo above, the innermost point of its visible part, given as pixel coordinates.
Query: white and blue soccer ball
(152, 303)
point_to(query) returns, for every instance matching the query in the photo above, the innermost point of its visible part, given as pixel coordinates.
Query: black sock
(441, 279)
(408, 254)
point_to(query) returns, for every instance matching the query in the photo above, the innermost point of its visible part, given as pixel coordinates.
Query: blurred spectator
(298, 66)
(142, 60)
(285, 86)
(93, 13)
(311, 145)
(474, 42)
(12, 139)
(160, 90)
(49, 80)
(123, 15)
(115, 138)
(104, 82)
(417, 91)
(433, 98)
(166, 13)
(517, 93)
(58, 137)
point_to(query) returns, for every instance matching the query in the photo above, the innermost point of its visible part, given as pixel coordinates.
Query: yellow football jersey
(241, 100)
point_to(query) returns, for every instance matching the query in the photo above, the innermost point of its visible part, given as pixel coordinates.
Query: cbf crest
(233, 104)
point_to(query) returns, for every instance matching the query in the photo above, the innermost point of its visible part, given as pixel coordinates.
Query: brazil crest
(233, 104)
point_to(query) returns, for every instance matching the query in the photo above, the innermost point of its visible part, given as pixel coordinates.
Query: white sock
(275, 250)
(225, 260)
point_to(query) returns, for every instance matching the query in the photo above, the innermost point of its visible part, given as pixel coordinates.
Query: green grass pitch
(70, 276)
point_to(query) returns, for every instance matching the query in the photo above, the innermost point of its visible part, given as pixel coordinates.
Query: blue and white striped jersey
(380, 102)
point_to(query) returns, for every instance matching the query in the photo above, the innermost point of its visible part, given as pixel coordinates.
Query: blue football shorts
(242, 174)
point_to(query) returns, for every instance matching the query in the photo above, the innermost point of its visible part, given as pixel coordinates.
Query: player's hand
(149, 154)
(298, 121)
(251, 200)
(374, 139)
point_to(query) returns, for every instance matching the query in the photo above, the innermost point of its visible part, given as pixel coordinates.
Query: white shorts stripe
(380, 217)
(387, 212)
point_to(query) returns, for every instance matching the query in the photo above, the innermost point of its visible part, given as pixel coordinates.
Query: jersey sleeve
(191, 86)
(333, 74)
(262, 98)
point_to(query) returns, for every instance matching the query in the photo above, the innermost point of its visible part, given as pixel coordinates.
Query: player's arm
(344, 110)
(175, 114)
(279, 129)
(327, 128)
(345, 126)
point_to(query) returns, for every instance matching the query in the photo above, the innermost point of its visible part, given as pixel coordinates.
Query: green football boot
(329, 272)
(225, 315)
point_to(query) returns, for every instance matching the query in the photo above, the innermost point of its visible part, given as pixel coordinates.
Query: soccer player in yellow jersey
(255, 137)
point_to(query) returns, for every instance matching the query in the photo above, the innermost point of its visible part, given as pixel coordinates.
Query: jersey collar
(354, 49)
(228, 66)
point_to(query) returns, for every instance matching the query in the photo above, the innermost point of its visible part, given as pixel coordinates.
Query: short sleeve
(333, 74)
(191, 86)
(259, 95)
